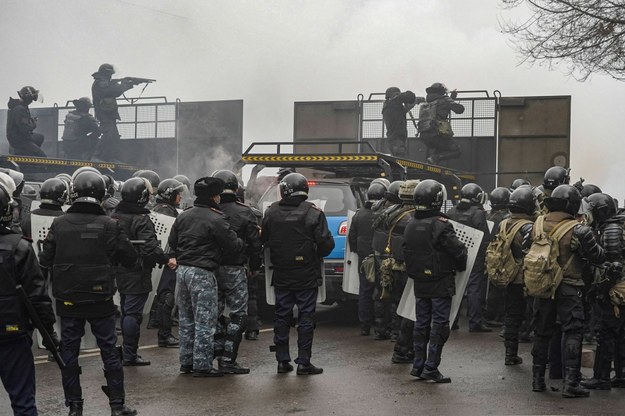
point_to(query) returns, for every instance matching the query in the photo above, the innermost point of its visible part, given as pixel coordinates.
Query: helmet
(406, 190)
(499, 198)
(109, 204)
(564, 198)
(601, 206)
(29, 191)
(522, 201)
(375, 191)
(282, 172)
(136, 191)
(6, 205)
(293, 184)
(106, 69)
(555, 176)
(391, 92)
(84, 169)
(88, 187)
(65, 178)
(429, 195)
(18, 180)
(392, 193)
(151, 176)
(436, 87)
(169, 189)
(231, 182)
(7, 182)
(383, 181)
(28, 94)
(473, 194)
(111, 185)
(184, 180)
(590, 189)
(518, 182)
(53, 191)
(83, 102)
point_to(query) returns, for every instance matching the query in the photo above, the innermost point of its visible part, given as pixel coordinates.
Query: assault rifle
(136, 81)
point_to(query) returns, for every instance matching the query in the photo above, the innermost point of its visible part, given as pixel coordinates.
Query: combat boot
(308, 370)
(231, 367)
(571, 387)
(122, 410)
(399, 358)
(168, 342)
(601, 372)
(435, 376)
(538, 378)
(512, 354)
(75, 408)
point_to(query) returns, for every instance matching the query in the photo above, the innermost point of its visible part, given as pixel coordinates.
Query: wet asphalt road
(359, 379)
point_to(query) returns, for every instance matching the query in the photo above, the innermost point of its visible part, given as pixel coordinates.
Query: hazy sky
(272, 53)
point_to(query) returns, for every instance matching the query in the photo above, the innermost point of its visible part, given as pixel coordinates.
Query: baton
(39, 325)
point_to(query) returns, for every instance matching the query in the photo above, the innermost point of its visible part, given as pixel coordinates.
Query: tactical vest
(379, 242)
(428, 117)
(82, 272)
(13, 316)
(423, 260)
(396, 232)
(72, 127)
(290, 245)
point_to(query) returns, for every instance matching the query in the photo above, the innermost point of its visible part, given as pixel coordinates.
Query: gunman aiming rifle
(136, 81)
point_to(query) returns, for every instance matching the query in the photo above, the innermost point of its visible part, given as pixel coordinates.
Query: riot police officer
(394, 110)
(470, 211)
(53, 195)
(518, 182)
(80, 250)
(296, 233)
(232, 275)
(21, 125)
(19, 267)
(554, 177)
(360, 238)
(433, 254)
(135, 282)
(82, 131)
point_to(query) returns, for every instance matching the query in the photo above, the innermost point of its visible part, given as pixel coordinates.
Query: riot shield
(162, 226)
(471, 239)
(270, 294)
(351, 280)
(40, 225)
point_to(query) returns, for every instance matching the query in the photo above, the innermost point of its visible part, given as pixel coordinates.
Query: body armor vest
(13, 316)
(423, 260)
(290, 246)
(396, 231)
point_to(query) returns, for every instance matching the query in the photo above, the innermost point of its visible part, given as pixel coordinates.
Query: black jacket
(45, 210)
(312, 233)
(137, 225)
(201, 236)
(360, 234)
(433, 253)
(496, 216)
(20, 124)
(80, 126)
(104, 92)
(475, 217)
(394, 114)
(27, 273)
(72, 260)
(243, 221)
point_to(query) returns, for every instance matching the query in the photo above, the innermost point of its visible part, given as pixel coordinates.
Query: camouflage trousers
(197, 307)
(232, 286)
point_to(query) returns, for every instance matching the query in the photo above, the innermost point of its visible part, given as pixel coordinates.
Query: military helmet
(436, 87)
(231, 182)
(499, 198)
(168, 189)
(375, 191)
(28, 94)
(391, 92)
(89, 187)
(522, 200)
(518, 182)
(106, 69)
(392, 193)
(293, 184)
(151, 176)
(406, 190)
(555, 176)
(53, 191)
(429, 195)
(84, 169)
(473, 193)
(601, 206)
(383, 181)
(589, 189)
(565, 198)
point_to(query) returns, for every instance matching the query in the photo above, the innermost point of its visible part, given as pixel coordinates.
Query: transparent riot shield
(351, 280)
(270, 294)
(162, 226)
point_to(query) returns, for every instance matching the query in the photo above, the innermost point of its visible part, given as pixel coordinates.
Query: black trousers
(306, 301)
(17, 371)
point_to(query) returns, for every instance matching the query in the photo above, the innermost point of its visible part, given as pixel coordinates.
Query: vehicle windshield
(338, 198)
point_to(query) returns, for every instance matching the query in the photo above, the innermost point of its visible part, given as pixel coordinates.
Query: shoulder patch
(442, 219)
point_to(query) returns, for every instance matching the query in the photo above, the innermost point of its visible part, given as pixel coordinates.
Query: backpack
(542, 273)
(429, 122)
(501, 266)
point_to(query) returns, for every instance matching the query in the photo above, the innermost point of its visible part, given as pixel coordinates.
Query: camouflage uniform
(232, 283)
(197, 302)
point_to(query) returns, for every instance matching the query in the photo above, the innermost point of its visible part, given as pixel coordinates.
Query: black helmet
(183, 180)
(518, 182)
(151, 176)
(136, 191)
(6, 206)
(294, 184)
(83, 103)
(110, 184)
(522, 201)
(429, 195)
(53, 191)
(375, 191)
(84, 169)
(499, 198)
(436, 87)
(282, 172)
(590, 189)
(473, 194)
(392, 193)
(564, 198)
(555, 176)
(168, 190)
(28, 94)
(391, 92)
(106, 69)
(231, 182)
(601, 206)
(88, 187)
